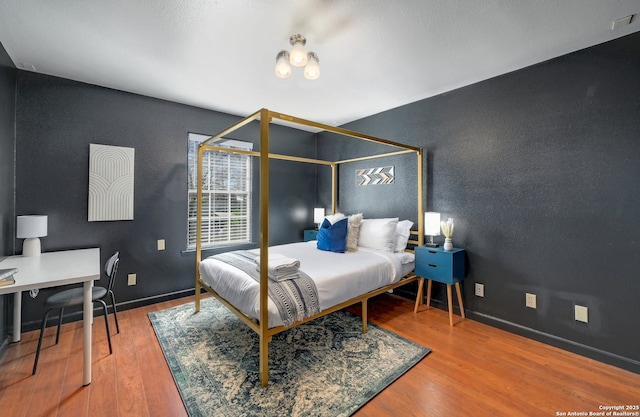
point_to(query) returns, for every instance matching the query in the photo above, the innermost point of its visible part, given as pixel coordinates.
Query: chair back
(111, 268)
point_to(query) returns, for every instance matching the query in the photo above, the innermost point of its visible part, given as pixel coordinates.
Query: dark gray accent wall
(540, 168)
(7, 165)
(7, 145)
(57, 119)
(397, 199)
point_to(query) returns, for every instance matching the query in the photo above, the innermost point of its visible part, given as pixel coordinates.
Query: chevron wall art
(110, 183)
(375, 176)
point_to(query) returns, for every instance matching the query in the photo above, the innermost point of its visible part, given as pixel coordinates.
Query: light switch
(582, 314)
(160, 244)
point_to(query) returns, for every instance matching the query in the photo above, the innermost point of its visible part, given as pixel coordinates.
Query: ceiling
(374, 54)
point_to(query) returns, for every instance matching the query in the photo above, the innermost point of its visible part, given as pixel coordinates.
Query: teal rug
(326, 367)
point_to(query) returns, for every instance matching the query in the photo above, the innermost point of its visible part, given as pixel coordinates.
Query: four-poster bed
(261, 322)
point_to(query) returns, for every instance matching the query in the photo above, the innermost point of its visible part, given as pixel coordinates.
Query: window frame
(236, 191)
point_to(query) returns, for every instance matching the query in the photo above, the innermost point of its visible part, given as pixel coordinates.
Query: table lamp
(31, 228)
(431, 227)
(318, 216)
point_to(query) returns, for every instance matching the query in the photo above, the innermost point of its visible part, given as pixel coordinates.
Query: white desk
(53, 269)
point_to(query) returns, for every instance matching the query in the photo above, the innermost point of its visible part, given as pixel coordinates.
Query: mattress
(338, 276)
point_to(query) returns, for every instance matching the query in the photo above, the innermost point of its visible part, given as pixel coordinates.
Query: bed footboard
(264, 340)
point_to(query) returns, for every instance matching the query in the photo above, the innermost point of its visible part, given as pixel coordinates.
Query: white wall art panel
(375, 176)
(110, 183)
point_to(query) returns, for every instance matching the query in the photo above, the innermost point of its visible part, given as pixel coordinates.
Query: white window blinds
(226, 194)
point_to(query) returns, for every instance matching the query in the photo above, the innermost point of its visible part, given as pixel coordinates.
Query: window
(226, 194)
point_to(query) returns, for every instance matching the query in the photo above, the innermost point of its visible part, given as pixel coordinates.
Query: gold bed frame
(265, 117)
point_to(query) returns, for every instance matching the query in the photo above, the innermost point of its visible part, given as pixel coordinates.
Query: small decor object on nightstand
(447, 231)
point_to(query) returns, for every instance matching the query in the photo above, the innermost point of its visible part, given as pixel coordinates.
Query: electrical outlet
(131, 279)
(530, 301)
(479, 289)
(582, 314)
(160, 244)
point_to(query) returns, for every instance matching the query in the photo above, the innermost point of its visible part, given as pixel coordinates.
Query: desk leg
(87, 319)
(17, 316)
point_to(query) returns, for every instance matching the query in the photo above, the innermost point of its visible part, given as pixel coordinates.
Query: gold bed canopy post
(420, 201)
(334, 188)
(201, 150)
(264, 246)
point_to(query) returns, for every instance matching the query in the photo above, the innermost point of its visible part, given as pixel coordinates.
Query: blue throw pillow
(333, 237)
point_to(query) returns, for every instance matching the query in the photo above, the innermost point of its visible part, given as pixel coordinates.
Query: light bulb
(283, 69)
(298, 56)
(312, 69)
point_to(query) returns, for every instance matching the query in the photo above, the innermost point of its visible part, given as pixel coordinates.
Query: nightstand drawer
(310, 234)
(440, 265)
(433, 257)
(436, 273)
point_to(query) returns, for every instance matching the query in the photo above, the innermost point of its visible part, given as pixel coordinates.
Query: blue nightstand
(310, 234)
(437, 264)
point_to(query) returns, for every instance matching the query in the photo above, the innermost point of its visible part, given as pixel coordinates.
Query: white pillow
(353, 232)
(407, 258)
(335, 217)
(378, 234)
(403, 230)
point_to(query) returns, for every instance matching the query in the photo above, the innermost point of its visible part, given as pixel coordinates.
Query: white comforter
(338, 276)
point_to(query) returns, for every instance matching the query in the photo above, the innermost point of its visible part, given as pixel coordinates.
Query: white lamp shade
(31, 226)
(432, 223)
(298, 56)
(318, 215)
(283, 68)
(312, 69)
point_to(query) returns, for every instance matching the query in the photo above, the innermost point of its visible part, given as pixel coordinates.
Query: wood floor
(473, 370)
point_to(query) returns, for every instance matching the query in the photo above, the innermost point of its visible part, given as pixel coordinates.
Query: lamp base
(430, 243)
(31, 247)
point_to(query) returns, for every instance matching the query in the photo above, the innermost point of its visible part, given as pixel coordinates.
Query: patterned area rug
(326, 367)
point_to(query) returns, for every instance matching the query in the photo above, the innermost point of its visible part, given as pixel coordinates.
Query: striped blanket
(295, 299)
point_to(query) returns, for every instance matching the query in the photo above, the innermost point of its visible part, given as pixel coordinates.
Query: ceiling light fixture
(283, 69)
(298, 57)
